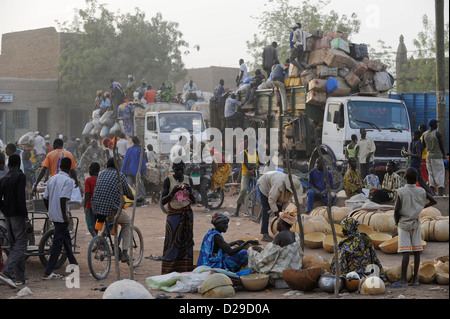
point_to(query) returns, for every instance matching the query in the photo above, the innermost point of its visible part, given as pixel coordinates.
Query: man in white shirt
(366, 152)
(299, 42)
(122, 145)
(56, 197)
(39, 144)
(242, 72)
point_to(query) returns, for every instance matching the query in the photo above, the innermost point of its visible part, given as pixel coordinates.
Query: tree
(420, 72)
(276, 21)
(100, 45)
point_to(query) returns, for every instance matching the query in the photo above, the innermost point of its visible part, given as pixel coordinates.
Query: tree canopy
(101, 45)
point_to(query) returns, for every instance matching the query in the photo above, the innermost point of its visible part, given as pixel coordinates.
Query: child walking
(410, 202)
(89, 187)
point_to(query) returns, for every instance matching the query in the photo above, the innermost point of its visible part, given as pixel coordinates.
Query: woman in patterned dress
(356, 252)
(178, 252)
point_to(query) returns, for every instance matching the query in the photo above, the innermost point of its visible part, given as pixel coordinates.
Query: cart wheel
(99, 257)
(44, 249)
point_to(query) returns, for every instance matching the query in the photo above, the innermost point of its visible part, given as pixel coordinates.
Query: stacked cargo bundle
(340, 68)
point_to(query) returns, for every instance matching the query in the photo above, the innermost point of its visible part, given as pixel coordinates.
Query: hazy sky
(221, 28)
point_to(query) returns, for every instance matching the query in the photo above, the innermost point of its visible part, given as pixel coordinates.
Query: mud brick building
(29, 85)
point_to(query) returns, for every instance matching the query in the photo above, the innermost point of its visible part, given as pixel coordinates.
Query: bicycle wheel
(99, 257)
(45, 245)
(215, 199)
(338, 181)
(253, 206)
(138, 246)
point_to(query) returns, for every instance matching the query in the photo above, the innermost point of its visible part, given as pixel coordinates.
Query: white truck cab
(163, 129)
(386, 121)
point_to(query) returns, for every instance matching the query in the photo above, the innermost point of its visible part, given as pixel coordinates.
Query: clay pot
(304, 279)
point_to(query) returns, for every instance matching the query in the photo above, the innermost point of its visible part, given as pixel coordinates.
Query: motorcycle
(201, 179)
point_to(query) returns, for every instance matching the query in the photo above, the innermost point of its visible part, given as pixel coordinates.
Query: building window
(21, 119)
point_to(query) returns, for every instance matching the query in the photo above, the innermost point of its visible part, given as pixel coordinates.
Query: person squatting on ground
(215, 252)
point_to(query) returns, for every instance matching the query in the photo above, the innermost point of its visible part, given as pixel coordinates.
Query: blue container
(422, 108)
(244, 272)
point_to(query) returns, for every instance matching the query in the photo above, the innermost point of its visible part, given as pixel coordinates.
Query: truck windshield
(377, 115)
(188, 121)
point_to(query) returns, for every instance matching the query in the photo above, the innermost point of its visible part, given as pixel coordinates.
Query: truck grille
(389, 149)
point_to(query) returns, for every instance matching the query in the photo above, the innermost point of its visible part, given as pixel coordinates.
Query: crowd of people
(62, 163)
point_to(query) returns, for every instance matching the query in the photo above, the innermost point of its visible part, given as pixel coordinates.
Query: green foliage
(100, 45)
(276, 21)
(420, 73)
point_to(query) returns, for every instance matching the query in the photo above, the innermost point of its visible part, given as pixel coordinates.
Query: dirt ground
(151, 221)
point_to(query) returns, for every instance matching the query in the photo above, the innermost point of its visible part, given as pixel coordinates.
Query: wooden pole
(119, 211)
(299, 218)
(330, 217)
(138, 178)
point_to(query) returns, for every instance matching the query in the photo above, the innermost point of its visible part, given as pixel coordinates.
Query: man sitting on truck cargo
(317, 186)
(233, 116)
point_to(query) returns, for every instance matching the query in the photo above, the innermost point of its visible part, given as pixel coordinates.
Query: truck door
(151, 132)
(333, 132)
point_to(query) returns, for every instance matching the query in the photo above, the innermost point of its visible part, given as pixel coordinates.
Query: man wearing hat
(275, 192)
(299, 44)
(436, 153)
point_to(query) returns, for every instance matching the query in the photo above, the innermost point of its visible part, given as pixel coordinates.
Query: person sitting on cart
(317, 186)
(215, 252)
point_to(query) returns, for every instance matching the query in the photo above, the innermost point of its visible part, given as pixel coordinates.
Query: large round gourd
(381, 221)
(217, 286)
(379, 238)
(427, 273)
(328, 243)
(430, 211)
(311, 224)
(442, 278)
(337, 213)
(373, 286)
(435, 228)
(311, 260)
(314, 240)
(394, 274)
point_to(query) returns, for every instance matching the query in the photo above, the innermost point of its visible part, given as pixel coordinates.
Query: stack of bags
(340, 68)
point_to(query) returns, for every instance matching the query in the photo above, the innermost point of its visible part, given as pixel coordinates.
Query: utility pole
(440, 72)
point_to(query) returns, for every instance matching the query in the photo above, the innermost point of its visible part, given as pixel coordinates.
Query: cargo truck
(386, 121)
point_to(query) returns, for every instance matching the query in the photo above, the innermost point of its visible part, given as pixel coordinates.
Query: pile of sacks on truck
(339, 68)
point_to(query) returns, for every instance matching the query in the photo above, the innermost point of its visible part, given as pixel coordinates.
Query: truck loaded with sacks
(341, 93)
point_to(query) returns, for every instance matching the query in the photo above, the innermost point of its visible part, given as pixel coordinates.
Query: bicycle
(101, 250)
(252, 201)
